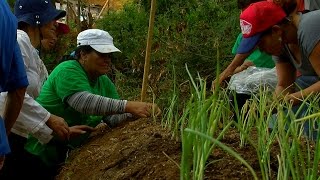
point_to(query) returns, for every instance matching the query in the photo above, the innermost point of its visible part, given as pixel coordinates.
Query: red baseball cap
(256, 19)
(63, 28)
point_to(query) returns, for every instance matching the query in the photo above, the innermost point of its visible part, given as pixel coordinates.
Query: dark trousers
(20, 164)
(237, 100)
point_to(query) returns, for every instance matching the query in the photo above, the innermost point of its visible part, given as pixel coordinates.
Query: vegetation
(185, 32)
(193, 38)
(193, 33)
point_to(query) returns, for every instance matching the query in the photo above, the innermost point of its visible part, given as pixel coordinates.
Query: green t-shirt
(257, 57)
(66, 79)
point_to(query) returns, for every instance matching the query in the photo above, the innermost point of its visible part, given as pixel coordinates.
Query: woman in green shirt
(80, 92)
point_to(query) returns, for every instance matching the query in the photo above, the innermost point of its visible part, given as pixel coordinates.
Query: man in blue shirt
(13, 78)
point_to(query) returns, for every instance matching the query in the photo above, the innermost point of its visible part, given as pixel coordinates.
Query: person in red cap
(255, 58)
(238, 63)
(294, 43)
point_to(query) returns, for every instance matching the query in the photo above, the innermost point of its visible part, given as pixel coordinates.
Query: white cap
(99, 40)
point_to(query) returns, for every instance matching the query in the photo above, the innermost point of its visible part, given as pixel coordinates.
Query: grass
(200, 133)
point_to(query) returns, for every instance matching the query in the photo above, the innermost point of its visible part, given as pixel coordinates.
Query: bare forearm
(13, 107)
(243, 67)
(315, 88)
(236, 62)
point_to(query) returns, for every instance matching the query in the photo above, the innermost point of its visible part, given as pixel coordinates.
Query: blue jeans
(310, 127)
(306, 81)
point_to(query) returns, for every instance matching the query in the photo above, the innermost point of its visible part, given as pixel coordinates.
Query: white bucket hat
(99, 40)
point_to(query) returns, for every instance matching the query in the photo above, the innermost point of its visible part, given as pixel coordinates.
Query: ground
(143, 149)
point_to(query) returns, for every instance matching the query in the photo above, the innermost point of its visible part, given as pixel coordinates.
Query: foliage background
(186, 32)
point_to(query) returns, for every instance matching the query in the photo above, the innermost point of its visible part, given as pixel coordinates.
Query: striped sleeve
(93, 104)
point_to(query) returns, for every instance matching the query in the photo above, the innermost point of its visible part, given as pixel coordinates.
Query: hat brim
(27, 18)
(105, 48)
(248, 44)
(54, 14)
(63, 28)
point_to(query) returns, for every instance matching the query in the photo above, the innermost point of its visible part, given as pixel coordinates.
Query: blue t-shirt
(12, 72)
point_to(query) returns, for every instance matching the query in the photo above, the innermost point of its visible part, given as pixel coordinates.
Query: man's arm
(236, 62)
(314, 88)
(286, 77)
(243, 67)
(13, 106)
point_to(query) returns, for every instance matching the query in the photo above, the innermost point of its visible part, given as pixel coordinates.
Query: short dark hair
(289, 6)
(75, 55)
(284, 21)
(85, 48)
(23, 25)
(242, 4)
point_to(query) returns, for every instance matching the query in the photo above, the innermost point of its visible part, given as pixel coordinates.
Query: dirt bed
(144, 150)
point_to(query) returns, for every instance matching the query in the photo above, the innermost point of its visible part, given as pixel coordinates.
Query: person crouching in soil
(294, 43)
(79, 91)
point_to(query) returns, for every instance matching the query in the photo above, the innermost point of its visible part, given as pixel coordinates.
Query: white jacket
(33, 117)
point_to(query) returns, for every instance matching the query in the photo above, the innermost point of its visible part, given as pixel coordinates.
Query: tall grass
(279, 133)
(170, 119)
(296, 159)
(266, 137)
(199, 121)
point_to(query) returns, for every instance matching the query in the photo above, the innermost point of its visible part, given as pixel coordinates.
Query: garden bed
(144, 150)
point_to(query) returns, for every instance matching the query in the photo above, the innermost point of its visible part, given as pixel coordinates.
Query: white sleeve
(31, 120)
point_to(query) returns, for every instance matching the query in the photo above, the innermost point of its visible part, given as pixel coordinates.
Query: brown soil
(144, 150)
(136, 150)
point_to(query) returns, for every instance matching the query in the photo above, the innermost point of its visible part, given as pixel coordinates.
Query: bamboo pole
(148, 51)
(97, 18)
(104, 6)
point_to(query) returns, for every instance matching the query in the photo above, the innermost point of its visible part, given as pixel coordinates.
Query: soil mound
(135, 150)
(144, 150)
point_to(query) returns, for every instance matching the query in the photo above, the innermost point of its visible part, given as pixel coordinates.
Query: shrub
(185, 32)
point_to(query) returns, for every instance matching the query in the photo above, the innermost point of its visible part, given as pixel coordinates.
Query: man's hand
(142, 109)
(222, 83)
(292, 99)
(79, 129)
(59, 127)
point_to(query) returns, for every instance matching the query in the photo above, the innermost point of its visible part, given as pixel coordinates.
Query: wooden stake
(104, 6)
(97, 18)
(148, 51)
